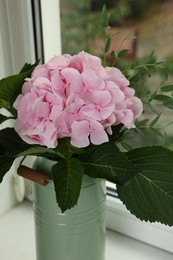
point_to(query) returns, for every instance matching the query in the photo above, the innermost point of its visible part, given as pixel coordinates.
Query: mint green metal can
(77, 234)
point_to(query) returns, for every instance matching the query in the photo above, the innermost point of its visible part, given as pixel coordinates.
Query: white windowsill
(17, 240)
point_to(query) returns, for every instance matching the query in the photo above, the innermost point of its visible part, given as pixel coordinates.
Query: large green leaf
(43, 151)
(67, 177)
(10, 87)
(14, 146)
(5, 165)
(107, 162)
(3, 118)
(149, 194)
(27, 66)
(12, 143)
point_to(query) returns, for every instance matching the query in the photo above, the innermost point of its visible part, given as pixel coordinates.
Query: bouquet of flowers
(75, 111)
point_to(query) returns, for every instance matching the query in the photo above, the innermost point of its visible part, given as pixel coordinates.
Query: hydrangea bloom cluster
(75, 97)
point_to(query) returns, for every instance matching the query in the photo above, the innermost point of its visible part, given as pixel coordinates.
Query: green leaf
(156, 119)
(156, 131)
(63, 148)
(126, 146)
(114, 54)
(167, 88)
(105, 17)
(10, 88)
(3, 118)
(107, 162)
(107, 45)
(14, 146)
(12, 143)
(122, 53)
(161, 97)
(5, 165)
(167, 100)
(168, 103)
(40, 151)
(129, 37)
(149, 194)
(149, 58)
(153, 109)
(67, 176)
(27, 66)
(141, 122)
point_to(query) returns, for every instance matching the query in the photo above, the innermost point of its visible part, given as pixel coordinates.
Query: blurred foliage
(80, 24)
(148, 76)
(80, 21)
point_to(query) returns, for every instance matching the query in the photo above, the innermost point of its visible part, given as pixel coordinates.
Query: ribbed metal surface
(79, 233)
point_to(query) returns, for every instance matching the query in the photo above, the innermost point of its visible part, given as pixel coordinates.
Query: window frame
(121, 220)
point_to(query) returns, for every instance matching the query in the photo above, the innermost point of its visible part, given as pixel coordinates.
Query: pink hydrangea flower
(75, 97)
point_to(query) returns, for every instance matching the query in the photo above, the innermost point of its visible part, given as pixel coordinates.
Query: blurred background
(150, 21)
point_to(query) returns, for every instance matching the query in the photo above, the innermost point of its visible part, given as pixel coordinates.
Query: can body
(77, 234)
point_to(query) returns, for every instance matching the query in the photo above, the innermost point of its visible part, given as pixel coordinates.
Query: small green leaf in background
(141, 123)
(168, 103)
(129, 37)
(149, 194)
(122, 53)
(167, 88)
(67, 176)
(108, 44)
(156, 131)
(155, 120)
(105, 17)
(107, 162)
(161, 97)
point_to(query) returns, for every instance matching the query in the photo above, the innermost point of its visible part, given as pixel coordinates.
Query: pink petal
(59, 61)
(91, 81)
(43, 109)
(40, 71)
(127, 119)
(77, 85)
(57, 84)
(90, 61)
(17, 102)
(91, 111)
(105, 112)
(55, 113)
(98, 135)
(137, 107)
(80, 143)
(68, 74)
(80, 129)
(25, 110)
(42, 82)
(116, 93)
(102, 98)
(80, 133)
